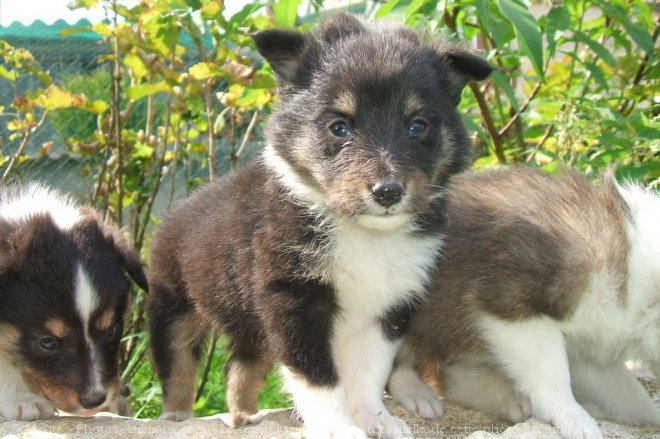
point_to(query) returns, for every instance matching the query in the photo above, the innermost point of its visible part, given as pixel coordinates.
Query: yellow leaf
(201, 71)
(137, 66)
(54, 98)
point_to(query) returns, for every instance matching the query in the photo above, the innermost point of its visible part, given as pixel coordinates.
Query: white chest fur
(374, 270)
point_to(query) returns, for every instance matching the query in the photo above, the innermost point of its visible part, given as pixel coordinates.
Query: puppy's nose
(387, 194)
(92, 398)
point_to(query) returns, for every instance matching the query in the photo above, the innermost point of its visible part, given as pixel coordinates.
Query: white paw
(517, 409)
(411, 392)
(578, 425)
(383, 425)
(25, 407)
(337, 432)
(176, 416)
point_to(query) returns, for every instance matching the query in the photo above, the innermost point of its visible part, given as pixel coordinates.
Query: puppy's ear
(283, 49)
(113, 237)
(458, 66)
(339, 26)
(132, 263)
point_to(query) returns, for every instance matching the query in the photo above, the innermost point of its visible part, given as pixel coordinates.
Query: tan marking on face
(105, 320)
(9, 336)
(346, 103)
(58, 328)
(413, 105)
(62, 397)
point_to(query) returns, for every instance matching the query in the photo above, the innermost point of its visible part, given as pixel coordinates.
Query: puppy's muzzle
(387, 194)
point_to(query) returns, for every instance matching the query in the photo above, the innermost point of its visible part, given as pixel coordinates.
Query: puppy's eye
(47, 343)
(417, 128)
(113, 332)
(339, 129)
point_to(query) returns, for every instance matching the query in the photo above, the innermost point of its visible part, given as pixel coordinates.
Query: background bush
(179, 97)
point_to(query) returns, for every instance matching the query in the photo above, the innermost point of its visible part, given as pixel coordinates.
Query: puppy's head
(367, 126)
(63, 296)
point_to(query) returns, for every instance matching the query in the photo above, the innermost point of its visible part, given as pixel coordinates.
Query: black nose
(92, 399)
(387, 194)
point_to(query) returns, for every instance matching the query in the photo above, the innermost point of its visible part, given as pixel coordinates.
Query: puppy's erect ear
(340, 26)
(283, 49)
(460, 66)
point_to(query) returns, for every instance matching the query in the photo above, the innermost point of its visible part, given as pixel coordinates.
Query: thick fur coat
(315, 254)
(64, 285)
(546, 287)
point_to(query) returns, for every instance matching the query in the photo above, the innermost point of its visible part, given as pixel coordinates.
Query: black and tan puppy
(64, 286)
(315, 254)
(546, 286)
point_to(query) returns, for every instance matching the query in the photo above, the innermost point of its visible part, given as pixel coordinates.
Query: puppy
(63, 293)
(315, 254)
(545, 288)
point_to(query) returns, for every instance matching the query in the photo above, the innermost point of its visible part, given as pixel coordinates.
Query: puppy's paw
(383, 425)
(25, 407)
(411, 392)
(516, 409)
(578, 425)
(177, 416)
(336, 432)
(241, 419)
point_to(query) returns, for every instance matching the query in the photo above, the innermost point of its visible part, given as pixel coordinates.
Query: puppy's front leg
(364, 358)
(299, 318)
(16, 400)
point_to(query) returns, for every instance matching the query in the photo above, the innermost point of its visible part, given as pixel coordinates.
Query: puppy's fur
(545, 288)
(315, 254)
(63, 293)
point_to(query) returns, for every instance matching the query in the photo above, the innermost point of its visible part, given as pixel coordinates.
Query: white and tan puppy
(546, 287)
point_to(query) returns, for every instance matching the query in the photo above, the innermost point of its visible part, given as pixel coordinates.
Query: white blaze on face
(86, 303)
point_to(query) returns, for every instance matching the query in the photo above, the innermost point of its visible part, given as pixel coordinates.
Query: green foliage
(179, 89)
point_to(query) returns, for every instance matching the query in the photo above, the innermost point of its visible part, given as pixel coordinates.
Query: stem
(575, 49)
(175, 160)
(488, 120)
(248, 132)
(516, 116)
(158, 177)
(116, 121)
(22, 146)
(207, 367)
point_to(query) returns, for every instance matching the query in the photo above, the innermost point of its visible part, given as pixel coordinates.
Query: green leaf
(597, 48)
(505, 86)
(496, 24)
(640, 35)
(527, 31)
(9, 75)
(137, 66)
(558, 19)
(286, 12)
(598, 75)
(385, 10)
(136, 92)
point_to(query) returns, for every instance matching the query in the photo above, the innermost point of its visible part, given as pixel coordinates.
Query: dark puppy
(546, 286)
(63, 293)
(315, 254)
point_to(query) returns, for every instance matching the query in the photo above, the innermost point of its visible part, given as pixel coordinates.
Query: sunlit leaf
(527, 30)
(136, 92)
(286, 12)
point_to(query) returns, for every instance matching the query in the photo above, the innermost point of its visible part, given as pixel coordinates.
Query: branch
(516, 116)
(488, 119)
(22, 146)
(248, 132)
